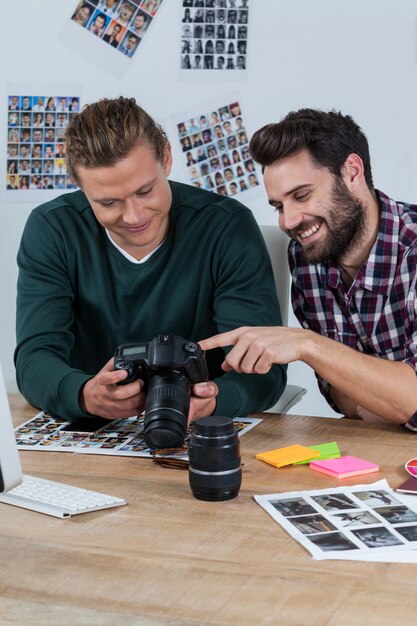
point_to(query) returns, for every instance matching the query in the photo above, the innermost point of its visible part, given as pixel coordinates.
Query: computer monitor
(10, 468)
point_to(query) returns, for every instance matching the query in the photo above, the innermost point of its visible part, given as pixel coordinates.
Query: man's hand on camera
(203, 400)
(102, 396)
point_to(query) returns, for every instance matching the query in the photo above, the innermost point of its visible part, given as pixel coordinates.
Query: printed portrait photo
(119, 23)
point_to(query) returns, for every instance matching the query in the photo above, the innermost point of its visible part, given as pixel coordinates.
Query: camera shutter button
(191, 347)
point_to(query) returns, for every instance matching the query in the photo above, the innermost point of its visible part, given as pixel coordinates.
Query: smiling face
(131, 199)
(83, 13)
(315, 207)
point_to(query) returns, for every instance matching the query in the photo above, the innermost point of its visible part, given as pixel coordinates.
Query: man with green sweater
(131, 256)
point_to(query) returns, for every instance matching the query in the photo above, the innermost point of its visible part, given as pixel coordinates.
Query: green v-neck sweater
(78, 297)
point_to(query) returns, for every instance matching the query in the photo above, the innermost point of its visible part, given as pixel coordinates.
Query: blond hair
(104, 132)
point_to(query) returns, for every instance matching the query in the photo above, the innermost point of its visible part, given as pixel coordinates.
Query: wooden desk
(167, 558)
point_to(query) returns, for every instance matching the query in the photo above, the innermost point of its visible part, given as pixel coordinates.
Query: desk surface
(167, 558)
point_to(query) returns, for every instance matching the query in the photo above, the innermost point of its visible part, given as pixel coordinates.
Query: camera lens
(166, 410)
(215, 470)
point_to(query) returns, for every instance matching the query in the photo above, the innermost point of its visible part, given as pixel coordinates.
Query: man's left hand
(203, 400)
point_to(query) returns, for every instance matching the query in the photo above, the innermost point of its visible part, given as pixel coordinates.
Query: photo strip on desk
(122, 437)
(351, 523)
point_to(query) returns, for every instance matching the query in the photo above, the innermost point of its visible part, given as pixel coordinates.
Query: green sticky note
(327, 451)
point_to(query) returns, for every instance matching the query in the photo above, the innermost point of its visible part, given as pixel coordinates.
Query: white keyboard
(58, 499)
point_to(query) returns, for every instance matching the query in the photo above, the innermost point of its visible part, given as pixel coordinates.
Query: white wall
(359, 57)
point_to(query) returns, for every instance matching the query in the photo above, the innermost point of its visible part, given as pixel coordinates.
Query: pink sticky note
(344, 467)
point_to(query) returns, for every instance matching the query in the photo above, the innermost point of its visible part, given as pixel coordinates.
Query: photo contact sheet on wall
(215, 147)
(36, 144)
(214, 34)
(121, 24)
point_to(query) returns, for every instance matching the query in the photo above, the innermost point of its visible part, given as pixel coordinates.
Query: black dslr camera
(168, 365)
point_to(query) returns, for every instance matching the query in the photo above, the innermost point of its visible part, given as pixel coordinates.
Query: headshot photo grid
(214, 34)
(348, 520)
(216, 151)
(120, 23)
(36, 145)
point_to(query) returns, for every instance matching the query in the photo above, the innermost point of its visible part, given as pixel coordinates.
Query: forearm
(385, 388)
(343, 403)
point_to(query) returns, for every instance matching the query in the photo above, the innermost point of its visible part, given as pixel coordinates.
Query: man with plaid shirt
(352, 257)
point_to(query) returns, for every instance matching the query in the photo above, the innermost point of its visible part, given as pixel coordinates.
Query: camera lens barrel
(215, 470)
(166, 410)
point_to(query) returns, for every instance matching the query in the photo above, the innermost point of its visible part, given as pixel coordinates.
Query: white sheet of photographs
(216, 151)
(121, 24)
(214, 34)
(36, 144)
(345, 522)
(121, 437)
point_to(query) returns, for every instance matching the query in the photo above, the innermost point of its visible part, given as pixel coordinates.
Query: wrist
(82, 398)
(309, 346)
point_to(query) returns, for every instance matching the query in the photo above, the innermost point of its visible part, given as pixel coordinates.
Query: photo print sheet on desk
(352, 523)
(121, 437)
(214, 34)
(36, 144)
(122, 24)
(215, 148)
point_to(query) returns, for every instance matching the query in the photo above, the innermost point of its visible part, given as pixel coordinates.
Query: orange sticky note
(286, 456)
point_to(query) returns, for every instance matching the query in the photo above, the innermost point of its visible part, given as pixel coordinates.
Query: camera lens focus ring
(215, 471)
(166, 410)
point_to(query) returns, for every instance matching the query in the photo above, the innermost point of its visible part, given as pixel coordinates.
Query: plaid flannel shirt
(377, 314)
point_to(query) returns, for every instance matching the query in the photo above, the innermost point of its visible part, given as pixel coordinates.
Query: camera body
(164, 352)
(168, 365)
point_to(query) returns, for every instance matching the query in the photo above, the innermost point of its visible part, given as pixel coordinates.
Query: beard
(346, 227)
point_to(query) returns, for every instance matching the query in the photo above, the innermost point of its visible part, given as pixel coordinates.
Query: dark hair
(106, 131)
(329, 137)
(100, 15)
